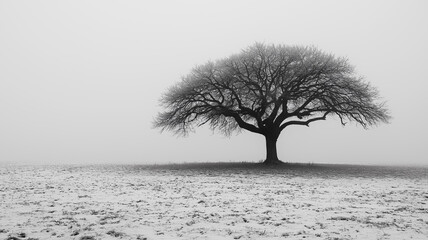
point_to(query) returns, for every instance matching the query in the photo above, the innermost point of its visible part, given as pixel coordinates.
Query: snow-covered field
(228, 201)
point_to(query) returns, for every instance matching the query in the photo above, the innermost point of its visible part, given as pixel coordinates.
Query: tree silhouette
(265, 89)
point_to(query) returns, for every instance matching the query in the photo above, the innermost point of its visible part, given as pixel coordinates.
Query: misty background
(80, 80)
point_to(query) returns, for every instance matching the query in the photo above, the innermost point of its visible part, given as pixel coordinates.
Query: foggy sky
(80, 80)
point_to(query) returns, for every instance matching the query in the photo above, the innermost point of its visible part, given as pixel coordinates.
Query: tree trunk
(271, 153)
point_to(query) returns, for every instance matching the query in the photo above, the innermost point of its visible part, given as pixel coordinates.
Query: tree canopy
(265, 89)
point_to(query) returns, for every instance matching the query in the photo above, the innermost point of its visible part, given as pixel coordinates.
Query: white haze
(80, 80)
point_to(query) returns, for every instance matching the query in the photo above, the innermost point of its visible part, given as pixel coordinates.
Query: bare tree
(265, 89)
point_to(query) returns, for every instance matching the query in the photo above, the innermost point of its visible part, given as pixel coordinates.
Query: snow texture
(209, 202)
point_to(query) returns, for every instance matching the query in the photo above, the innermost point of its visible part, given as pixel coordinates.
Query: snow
(139, 202)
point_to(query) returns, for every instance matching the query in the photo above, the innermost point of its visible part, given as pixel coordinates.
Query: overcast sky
(80, 80)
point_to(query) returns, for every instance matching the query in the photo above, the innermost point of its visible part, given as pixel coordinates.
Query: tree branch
(242, 123)
(304, 123)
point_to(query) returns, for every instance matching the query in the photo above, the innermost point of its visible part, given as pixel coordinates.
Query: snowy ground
(229, 201)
